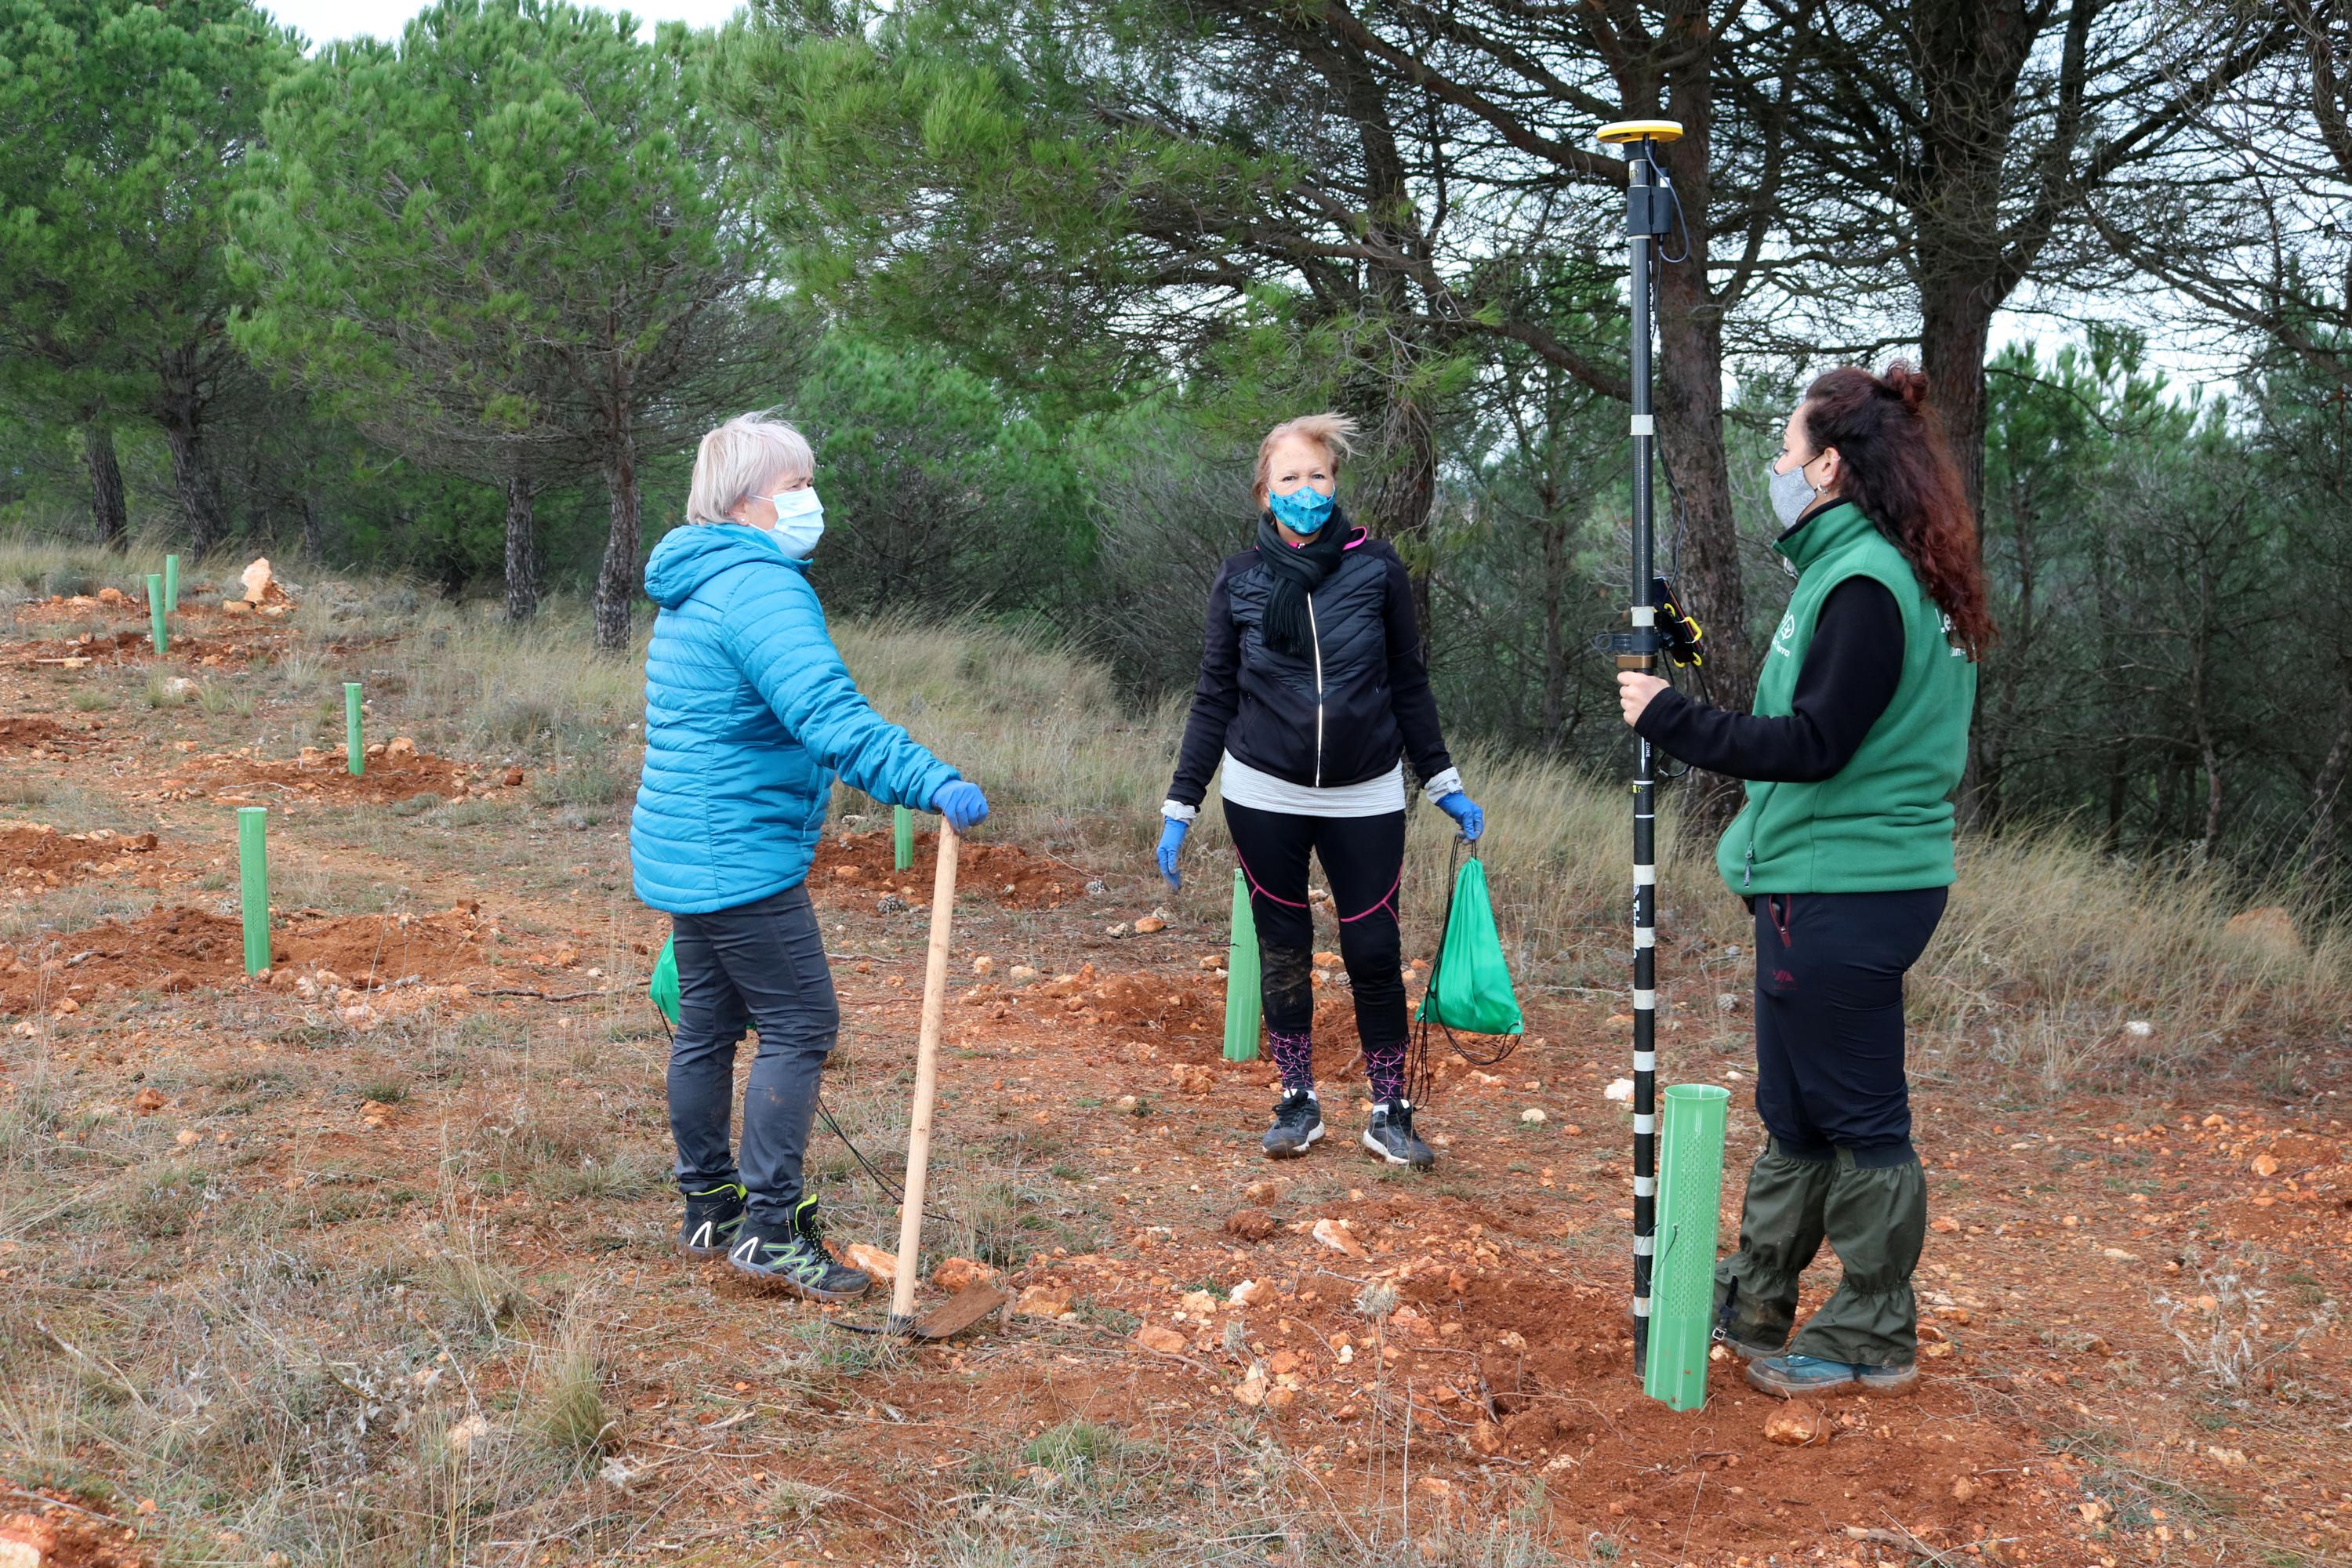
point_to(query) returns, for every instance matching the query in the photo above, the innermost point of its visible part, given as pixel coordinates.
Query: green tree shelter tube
(155, 611)
(1243, 1003)
(253, 876)
(352, 728)
(1690, 1196)
(902, 839)
(172, 584)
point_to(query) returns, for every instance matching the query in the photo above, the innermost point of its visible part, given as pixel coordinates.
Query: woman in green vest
(1843, 851)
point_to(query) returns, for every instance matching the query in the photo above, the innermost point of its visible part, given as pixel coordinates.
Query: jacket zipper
(1316, 636)
(1748, 874)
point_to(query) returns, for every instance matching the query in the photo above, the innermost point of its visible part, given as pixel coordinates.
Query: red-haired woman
(1843, 852)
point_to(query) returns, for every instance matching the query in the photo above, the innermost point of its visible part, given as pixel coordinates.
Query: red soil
(34, 856)
(1000, 872)
(323, 775)
(181, 949)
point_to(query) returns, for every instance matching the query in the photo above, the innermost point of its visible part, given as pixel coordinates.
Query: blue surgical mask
(1303, 510)
(800, 522)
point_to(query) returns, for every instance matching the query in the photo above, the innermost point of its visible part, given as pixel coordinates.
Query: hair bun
(1907, 383)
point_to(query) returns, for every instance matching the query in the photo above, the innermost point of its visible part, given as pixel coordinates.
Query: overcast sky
(322, 21)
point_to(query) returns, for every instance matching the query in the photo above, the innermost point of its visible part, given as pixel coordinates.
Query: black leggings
(1829, 1019)
(1363, 856)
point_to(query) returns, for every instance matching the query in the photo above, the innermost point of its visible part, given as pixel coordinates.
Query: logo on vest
(1781, 638)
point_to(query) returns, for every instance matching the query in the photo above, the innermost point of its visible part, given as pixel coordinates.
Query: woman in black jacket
(1312, 688)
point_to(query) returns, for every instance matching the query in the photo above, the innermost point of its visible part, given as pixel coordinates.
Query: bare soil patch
(180, 948)
(33, 855)
(323, 775)
(1003, 873)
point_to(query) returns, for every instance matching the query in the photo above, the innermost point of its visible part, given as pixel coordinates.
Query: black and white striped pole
(1648, 204)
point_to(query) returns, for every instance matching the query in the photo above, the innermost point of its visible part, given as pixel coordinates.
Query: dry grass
(2050, 952)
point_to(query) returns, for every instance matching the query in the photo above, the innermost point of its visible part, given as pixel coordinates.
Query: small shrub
(92, 702)
(166, 690)
(214, 697)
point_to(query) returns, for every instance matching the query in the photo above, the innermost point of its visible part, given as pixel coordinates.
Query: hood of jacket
(690, 556)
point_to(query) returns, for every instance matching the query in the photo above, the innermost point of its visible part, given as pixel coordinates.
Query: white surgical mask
(1791, 493)
(800, 522)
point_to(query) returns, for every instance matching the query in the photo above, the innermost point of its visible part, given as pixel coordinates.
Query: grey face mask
(1791, 494)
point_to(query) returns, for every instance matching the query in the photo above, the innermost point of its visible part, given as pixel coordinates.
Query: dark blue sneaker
(1297, 1123)
(1810, 1377)
(713, 1218)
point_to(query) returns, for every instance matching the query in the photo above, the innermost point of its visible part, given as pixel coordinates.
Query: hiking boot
(1809, 1377)
(1390, 1135)
(1745, 1341)
(713, 1218)
(791, 1262)
(1297, 1123)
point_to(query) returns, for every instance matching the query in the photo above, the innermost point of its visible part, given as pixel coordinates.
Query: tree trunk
(106, 503)
(1689, 404)
(2319, 857)
(1957, 312)
(522, 550)
(180, 410)
(314, 528)
(616, 579)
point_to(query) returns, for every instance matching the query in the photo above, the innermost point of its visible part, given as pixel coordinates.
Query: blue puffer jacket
(749, 714)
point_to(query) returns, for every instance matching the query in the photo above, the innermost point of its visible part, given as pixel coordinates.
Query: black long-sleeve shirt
(1848, 676)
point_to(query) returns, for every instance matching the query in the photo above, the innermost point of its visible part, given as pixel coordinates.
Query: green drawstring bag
(663, 986)
(1470, 989)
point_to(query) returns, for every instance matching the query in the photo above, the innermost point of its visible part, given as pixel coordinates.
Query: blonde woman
(750, 715)
(1312, 693)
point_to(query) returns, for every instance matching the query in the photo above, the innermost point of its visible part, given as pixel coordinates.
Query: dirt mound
(212, 651)
(35, 856)
(42, 736)
(1003, 872)
(1145, 1007)
(321, 774)
(180, 948)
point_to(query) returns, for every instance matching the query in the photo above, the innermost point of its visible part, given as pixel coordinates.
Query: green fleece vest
(1884, 822)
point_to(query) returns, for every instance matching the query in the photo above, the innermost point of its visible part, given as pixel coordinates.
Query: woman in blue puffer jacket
(750, 715)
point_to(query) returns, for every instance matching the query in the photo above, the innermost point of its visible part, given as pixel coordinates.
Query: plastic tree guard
(253, 876)
(1690, 1196)
(1243, 1003)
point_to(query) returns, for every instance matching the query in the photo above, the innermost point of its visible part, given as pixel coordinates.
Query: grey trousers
(757, 966)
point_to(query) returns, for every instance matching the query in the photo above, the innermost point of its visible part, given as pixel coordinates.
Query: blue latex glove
(1464, 811)
(960, 801)
(1172, 839)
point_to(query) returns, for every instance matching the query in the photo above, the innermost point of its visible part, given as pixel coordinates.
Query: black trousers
(1830, 1089)
(1829, 1019)
(757, 966)
(1363, 857)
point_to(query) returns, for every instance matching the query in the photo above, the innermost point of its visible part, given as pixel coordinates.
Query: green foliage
(127, 125)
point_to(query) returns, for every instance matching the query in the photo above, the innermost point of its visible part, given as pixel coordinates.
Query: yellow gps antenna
(1624, 131)
(1649, 202)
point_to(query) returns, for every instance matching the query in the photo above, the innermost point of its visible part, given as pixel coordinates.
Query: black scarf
(1296, 571)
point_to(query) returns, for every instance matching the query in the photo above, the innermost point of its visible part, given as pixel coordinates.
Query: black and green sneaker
(795, 1261)
(713, 1218)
